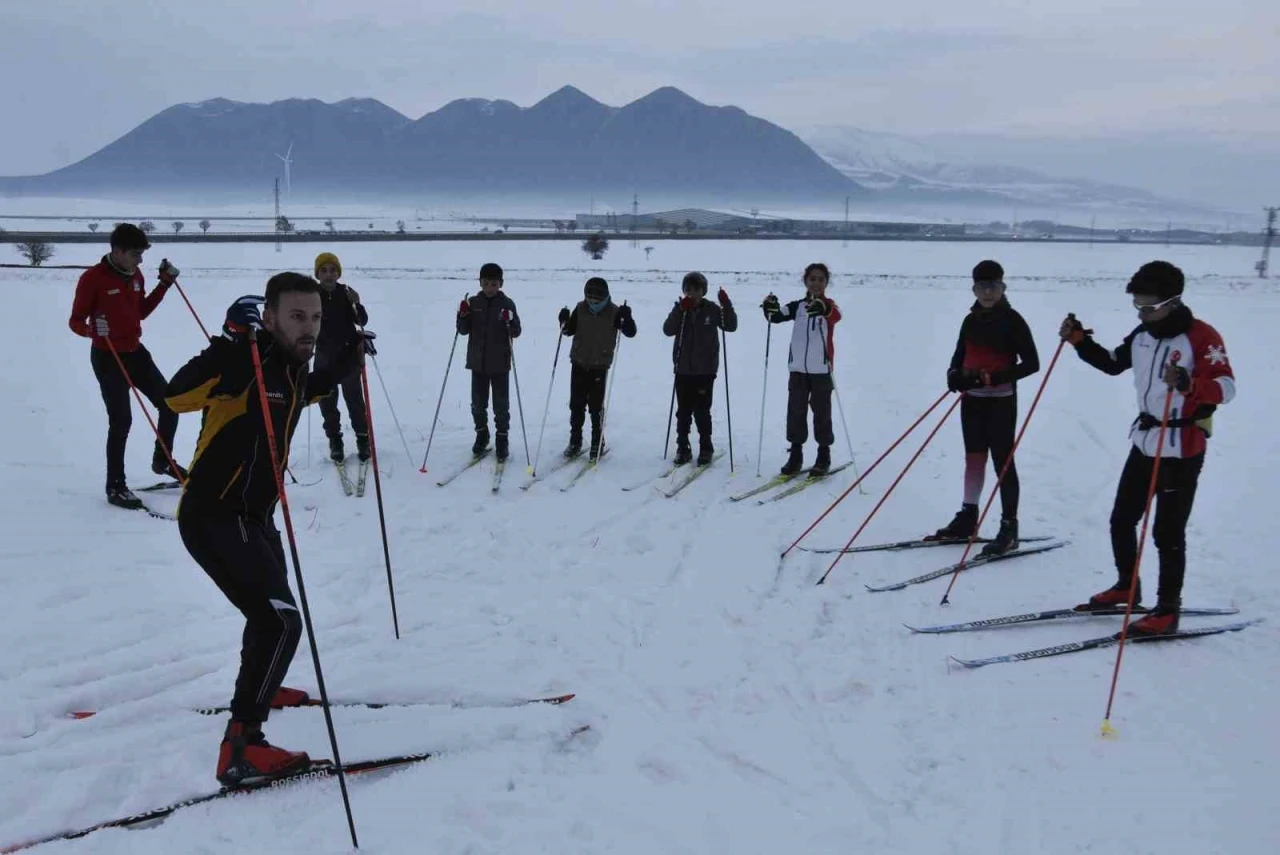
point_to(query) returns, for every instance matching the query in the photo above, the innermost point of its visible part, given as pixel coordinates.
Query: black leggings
(693, 404)
(1175, 492)
(119, 402)
(245, 559)
(988, 426)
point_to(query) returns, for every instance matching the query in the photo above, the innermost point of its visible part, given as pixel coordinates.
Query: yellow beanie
(327, 258)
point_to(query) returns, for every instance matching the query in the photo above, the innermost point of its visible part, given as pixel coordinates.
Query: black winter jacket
(338, 327)
(696, 349)
(489, 350)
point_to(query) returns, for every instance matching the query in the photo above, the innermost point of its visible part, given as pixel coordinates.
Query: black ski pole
(440, 400)
(728, 410)
(666, 445)
(764, 391)
(377, 488)
(297, 572)
(511, 345)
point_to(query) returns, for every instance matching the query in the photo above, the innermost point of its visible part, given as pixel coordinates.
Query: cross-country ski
(969, 564)
(471, 461)
(1056, 615)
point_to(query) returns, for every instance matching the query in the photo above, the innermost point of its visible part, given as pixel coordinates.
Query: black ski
(1104, 641)
(344, 477)
(377, 705)
(1076, 613)
(967, 565)
(921, 543)
(162, 485)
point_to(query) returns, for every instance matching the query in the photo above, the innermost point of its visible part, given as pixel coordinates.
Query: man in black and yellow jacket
(227, 508)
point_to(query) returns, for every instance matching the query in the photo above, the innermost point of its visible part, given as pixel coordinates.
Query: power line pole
(1269, 237)
(635, 214)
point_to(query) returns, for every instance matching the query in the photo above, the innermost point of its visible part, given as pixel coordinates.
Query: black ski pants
(245, 559)
(693, 404)
(988, 426)
(480, 386)
(352, 389)
(586, 392)
(1175, 492)
(119, 401)
(809, 392)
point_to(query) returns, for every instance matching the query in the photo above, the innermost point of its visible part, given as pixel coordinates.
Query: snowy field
(733, 706)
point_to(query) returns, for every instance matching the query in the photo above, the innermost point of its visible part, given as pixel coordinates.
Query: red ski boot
(245, 756)
(286, 697)
(1115, 597)
(1162, 620)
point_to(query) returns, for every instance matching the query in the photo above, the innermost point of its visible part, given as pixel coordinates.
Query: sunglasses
(1151, 308)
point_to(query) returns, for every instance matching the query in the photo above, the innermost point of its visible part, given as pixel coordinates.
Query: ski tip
(79, 714)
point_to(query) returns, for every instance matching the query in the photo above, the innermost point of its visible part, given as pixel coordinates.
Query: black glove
(623, 316)
(771, 306)
(564, 316)
(1177, 377)
(963, 379)
(1072, 330)
(242, 316)
(817, 307)
(365, 342)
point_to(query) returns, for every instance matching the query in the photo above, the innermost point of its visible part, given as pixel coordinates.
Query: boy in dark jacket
(695, 323)
(594, 324)
(810, 359)
(343, 312)
(993, 352)
(490, 318)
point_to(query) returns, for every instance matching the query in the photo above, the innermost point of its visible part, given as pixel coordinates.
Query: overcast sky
(79, 73)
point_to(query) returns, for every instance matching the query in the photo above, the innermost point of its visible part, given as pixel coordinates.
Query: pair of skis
(554, 700)
(349, 488)
(680, 477)
(1079, 613)
(810, 478)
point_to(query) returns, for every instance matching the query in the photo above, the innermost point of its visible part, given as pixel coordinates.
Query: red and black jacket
(122, 298)
(995, 344)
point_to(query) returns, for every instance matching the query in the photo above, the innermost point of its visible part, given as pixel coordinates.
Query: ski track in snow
(733, 706)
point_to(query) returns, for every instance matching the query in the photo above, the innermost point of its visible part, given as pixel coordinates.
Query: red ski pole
(1003, 469)
(297, 571)
(191, 307)
(159, 441)
(855, 484)
(892, 486)
(1107, 730)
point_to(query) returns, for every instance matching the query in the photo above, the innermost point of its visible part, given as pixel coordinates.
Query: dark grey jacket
(696, 349)
(489, 350)
(595, 336)
(338, 325)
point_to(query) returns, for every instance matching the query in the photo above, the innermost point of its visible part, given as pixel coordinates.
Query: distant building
(699, 219)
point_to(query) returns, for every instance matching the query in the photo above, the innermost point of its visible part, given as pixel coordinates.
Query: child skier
(490, 318)
(810, 360)
(593, 324)
(1190, 360)
(695, 323)
(993, 352)
(343, 312)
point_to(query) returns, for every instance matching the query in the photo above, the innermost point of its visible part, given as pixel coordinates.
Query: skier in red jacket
(110, 304)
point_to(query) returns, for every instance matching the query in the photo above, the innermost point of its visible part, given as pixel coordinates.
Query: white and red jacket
(813, 347)
(1197, 347)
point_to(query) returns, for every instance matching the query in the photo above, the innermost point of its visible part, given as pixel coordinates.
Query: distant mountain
(903, 169)
(665, 142)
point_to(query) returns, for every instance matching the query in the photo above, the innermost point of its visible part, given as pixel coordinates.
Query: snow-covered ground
(733, 706)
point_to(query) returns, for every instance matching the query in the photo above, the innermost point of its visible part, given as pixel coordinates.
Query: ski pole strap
(1146, 421)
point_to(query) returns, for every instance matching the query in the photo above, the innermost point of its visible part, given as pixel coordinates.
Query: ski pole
(728, 410)
(537, 455)
(528, 462)
(1107, 729)
(851, 487)
(764, 390)
(848, 438)
(440, 400)
(1003, 470)
(200, 323)
(613, 372)
(390, 406)
(675, 367)
(377, 487)
(159, 440)
(297, 570)
(895, 483)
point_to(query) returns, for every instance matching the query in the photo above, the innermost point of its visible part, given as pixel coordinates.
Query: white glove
(100, 326)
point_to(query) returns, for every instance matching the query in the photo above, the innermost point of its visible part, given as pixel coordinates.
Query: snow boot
(482, 441)
(161, 466)
(246, 756)
(1162, 620)
(122, 497)
(706, 451)
(963, 525)
(501, 447)
(594, 454)
(795, 460)
(1115, 597)
(683, 452)
(336, 452)
(362, 447)
(822, 465)
(286, 697)
(1006, 540)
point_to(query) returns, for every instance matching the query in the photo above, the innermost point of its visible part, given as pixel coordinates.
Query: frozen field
(733, 706)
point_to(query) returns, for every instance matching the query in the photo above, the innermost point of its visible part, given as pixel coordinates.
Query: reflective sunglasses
(1152, 308)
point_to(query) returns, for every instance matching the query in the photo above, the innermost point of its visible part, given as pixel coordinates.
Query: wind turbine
(287, 158)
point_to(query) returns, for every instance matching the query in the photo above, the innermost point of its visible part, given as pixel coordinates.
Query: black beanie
(1157, 278)
(988, 271)
(128, 236)
(694, 280)
(491, 271)
(596, 288)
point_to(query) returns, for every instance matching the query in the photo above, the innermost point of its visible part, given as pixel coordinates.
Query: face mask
(597, 306)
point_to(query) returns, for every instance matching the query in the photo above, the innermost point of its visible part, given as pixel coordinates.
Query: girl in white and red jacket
(810, 360)
(1170, 351)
